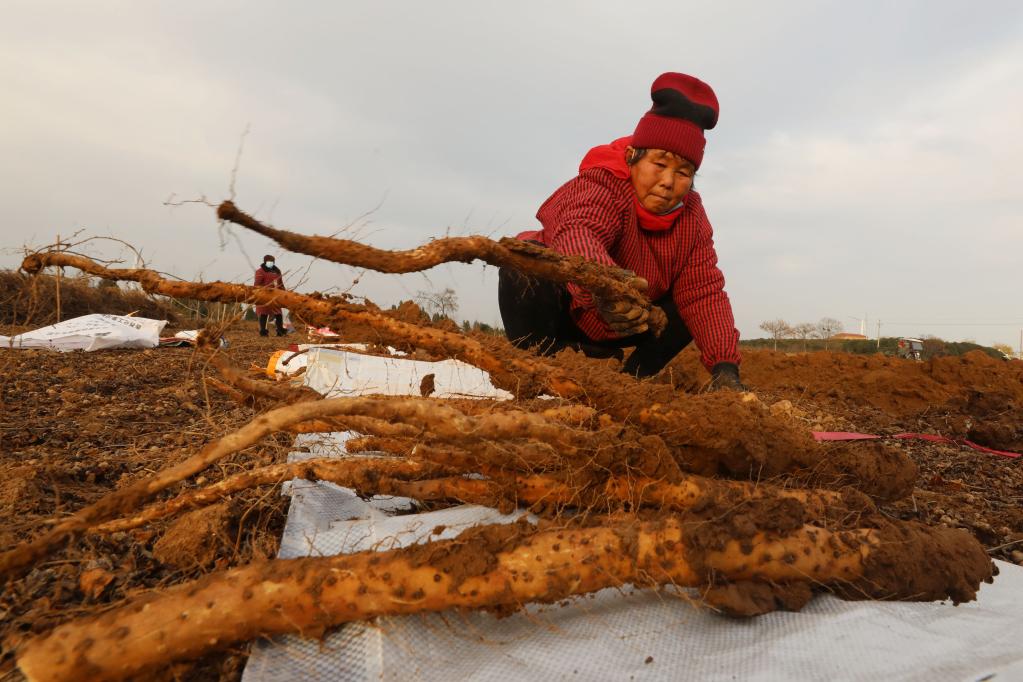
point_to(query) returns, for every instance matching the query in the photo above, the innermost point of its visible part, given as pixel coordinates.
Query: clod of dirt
(94, 581)
(883, 471)
(18, 486)
(750, 598)
(903, 566)
(895, 387)
(197, 538)
(428, 385)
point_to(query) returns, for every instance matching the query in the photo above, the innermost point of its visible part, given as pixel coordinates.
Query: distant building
(847, 336)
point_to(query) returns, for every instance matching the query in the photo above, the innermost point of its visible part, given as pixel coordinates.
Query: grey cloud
(463, 117)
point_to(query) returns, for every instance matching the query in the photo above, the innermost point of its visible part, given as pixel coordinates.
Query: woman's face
(661, 179)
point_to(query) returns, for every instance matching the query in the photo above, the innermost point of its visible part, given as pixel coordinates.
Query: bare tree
(777, 329)
(443, 303)
(804, 330)
(826, 328)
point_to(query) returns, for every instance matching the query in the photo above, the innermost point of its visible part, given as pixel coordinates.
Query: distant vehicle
(911, 349)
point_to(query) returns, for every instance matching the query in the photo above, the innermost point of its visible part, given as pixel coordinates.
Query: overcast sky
(868, 159)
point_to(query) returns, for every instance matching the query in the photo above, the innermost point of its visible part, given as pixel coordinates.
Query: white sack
(91, 332)
(336, 373)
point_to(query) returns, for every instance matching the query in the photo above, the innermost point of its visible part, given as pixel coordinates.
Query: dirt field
(74, 426)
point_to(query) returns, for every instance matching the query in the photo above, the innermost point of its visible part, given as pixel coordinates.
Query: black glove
(725, 375)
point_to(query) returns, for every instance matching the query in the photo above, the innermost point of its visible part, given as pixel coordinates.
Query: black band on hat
(671, 103)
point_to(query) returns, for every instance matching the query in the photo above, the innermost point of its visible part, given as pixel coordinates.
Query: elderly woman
(632, 206)
(269, 275)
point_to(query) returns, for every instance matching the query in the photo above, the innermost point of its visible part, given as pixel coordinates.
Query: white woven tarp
(613, 635)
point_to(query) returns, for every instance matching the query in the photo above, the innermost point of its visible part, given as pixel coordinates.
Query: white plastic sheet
(91, 332)
(613, 635)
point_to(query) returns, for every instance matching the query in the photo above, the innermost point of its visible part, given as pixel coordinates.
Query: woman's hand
(622, 316)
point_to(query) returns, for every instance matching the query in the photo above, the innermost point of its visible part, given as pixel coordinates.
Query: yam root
(131, 497)
(445, 423)
(496, 567)
(433, 480)
(495, 437)
(514, 370)
(369, 475)
(613, 284)
(355, 423)
(265, 390)
(722, 432)
(735, 434)
(400, 447)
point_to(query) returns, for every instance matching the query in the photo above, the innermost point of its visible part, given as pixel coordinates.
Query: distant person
(268, 275)
(632, 206)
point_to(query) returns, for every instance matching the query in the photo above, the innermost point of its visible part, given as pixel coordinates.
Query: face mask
(269, 263)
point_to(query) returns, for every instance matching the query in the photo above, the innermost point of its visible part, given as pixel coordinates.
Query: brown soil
(76, 426)
(196, 539)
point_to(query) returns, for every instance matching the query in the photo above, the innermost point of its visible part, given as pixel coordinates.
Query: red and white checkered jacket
(594, 215)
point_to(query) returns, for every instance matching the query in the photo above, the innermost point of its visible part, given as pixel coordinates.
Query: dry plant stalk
(613, 284)
(501, 567)
(515, 371)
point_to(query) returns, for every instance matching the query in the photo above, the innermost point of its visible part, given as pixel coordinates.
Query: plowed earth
(75, 426)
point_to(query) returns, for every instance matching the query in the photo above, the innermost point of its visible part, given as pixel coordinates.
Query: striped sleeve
(585, 221)
(699, 294)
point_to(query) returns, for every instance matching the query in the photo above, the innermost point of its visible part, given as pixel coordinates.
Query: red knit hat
(683, 108)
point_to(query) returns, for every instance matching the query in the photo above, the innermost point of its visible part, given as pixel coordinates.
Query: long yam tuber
(613, 284)
(496, 567)
(444, 422)
(516, 371)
